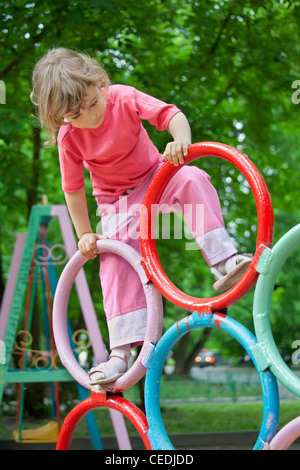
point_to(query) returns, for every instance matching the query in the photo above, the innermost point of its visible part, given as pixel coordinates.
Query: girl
(99, 128)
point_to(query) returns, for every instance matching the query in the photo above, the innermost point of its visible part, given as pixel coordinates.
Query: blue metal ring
(157, 433)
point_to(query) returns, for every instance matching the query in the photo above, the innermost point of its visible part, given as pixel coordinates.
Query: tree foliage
(228, 65)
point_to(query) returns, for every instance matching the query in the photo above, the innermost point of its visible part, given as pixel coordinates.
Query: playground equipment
(49, 432)
(29, 258)
(269, 266)
(157, 433)
(135, 373)
(264, 268)
(210, 312)
(60, 308)
(265, 222)
(206, 312)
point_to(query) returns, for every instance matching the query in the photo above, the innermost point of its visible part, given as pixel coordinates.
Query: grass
(221, 417)
(183, 417)
(185, 388)
(201, 418)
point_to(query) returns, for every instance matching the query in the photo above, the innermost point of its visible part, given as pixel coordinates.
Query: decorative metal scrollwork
(48, 256)
(42, 359)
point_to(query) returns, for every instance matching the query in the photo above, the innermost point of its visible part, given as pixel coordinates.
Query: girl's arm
(181, 132)
(77, 206)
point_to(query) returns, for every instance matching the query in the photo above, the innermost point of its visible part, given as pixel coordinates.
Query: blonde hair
(59, 84)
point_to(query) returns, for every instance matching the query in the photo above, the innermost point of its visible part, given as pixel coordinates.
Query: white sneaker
(231, 271)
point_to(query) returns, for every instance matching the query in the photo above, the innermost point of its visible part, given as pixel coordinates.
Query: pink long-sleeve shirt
(119, 154)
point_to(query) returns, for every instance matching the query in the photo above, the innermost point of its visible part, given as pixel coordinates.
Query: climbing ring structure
(265, 224)
(60, 316)
(100, 400)
(64, 349)
(264, 269)
(157, 433)
(268, 355)
(268, 267)
(205, 311)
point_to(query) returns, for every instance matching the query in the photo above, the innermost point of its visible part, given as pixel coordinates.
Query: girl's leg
(191, 191)
(124, 299)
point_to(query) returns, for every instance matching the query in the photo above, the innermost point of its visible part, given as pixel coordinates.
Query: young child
(99, 127)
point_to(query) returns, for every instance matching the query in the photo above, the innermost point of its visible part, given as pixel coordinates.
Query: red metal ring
(265, 222)
(100, 400)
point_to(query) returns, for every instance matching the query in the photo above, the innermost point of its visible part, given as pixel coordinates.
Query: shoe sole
(232, 278)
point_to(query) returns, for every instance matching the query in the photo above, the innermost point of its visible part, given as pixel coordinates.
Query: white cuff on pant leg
(216, 245)
(128, 328)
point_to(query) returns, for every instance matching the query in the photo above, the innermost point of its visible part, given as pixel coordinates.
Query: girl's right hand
(87, 244)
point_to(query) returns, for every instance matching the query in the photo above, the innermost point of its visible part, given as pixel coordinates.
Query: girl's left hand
(87, 244)
(176, 151)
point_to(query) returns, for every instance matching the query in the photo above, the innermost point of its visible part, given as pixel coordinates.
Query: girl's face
(91, 114)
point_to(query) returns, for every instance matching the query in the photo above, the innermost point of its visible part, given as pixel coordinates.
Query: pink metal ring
(286, 436)
(60, 314)
(265, 216)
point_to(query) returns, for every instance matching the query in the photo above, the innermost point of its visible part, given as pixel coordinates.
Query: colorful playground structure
(202, 313)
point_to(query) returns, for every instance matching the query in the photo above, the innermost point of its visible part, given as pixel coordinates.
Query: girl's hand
(176, 151)
(87, 244)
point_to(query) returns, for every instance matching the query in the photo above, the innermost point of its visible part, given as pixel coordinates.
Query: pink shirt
(119, 153)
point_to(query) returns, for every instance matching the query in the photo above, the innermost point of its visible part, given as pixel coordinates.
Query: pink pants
(189, 190)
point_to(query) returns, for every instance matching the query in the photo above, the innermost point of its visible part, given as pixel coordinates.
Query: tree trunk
(32, 189)
(2, 282)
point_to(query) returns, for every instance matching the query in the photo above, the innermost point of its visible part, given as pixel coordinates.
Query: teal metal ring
(269, 265)
(157, 433)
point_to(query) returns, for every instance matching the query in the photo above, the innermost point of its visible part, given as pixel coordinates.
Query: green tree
(228, 65)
